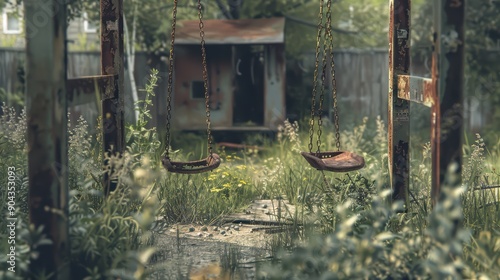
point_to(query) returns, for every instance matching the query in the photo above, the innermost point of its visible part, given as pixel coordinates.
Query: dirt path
(238, 245)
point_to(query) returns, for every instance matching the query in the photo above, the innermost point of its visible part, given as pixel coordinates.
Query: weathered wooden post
(47, 132)
(399, 109)
(443, 93)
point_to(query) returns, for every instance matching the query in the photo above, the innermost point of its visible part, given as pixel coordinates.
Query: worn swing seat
(340, 161)
(192, 167)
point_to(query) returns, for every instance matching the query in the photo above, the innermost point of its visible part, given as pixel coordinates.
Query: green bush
(359, 235)
(109, 236)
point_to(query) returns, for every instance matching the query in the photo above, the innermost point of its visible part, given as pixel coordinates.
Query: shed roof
(239, 31)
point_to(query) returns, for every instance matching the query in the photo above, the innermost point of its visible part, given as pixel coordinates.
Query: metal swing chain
(323, 77)
(170, 74)
(205, 79)
(334, 80)
(315, 79)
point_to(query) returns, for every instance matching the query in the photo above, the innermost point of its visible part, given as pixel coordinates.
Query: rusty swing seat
(340, 161)
(212, 161)
(192, 167)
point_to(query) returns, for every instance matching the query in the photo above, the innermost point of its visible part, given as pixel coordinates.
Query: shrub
(109, 236)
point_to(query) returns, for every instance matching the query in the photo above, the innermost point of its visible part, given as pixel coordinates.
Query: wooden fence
(362, 81)
(79, 64)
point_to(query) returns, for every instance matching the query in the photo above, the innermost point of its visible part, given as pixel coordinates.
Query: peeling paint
(416, 89)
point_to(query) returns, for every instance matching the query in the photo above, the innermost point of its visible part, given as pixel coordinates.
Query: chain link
(315, 79)
(334, 80)
(205, 79)
(170, 82)
(323, 79)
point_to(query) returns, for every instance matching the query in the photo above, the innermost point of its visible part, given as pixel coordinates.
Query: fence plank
(367, 99)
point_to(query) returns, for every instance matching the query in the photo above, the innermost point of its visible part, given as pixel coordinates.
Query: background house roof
(241, 31)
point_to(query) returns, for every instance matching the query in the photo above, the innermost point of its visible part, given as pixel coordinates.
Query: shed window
(11, 23)
(197, 90)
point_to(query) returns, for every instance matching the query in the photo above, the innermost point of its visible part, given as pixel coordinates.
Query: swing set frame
(443, 93)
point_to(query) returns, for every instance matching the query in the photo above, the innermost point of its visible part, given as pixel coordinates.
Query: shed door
(249, 85)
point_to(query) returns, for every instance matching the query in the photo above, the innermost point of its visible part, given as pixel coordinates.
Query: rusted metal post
(112, 97)
(450, 39)
(435, 109)
(435, 122)
(47, 133)
(399, 109)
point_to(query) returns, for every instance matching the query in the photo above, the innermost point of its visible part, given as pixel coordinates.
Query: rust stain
(398, 107)
(404, 87)
(112, 64)
(416, 89)
(435, 126)
(241, 31)
(111, 36)
(436, 151)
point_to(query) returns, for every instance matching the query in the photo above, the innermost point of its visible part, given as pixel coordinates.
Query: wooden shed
(246, 71)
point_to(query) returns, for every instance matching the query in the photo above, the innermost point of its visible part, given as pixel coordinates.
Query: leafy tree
(356, 24)
(482, 58)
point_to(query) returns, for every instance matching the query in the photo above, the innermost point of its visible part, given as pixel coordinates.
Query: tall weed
(109, 236)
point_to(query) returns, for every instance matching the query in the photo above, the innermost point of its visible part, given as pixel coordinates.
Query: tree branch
(223, 9)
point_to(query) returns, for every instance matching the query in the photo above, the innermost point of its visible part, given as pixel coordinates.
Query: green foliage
(205, 198)
(84, 43)
(362, 235)
(83, 155)
(142, 142)
(482, 203)
(482, 57)
(367, 238)
(13, 134)
(154, 19)
(110, 236)
(483, 255)
(364, 245)
(362, 24)
(16, 100)
(183, 198)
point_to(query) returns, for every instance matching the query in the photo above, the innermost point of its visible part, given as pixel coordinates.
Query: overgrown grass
(109, 236)
(350, 212)
(422, 243)
(350, 228)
